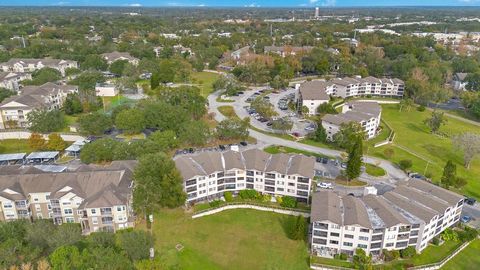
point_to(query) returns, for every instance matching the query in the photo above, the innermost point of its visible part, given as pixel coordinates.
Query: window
(334, 234)
(363, 238)
(94, 220)
(362, 246)
(348, 236)
(119, 208)
(93, 211)
(347, 244)
(389, 245)
(335, 242)
(364, 230)
(69, 220)
(68, 211)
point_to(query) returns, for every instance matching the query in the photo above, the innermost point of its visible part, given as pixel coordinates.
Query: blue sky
(241, 3)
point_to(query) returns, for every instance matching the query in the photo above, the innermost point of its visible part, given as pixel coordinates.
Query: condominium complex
(366, 114)
(116, 56)
(11, 80)
(31, 65)
(284, 51)
(15, 109)
(412, 214)
(312, 94)
(97, 197)
(209, 174)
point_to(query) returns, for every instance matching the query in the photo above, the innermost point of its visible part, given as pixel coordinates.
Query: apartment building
(366, 114)
(97, 197)
(209, 174)
(115, 56)
(11, 80)
(15, 109)
(347, 87)
(412, 214)
(284, 51)
(27, 65)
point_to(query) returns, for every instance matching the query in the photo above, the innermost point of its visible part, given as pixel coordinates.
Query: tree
(44, 121)
(154, 80)
(435, 121)
(405, 164)
(320, 134)
(449, 174)
(157, 184)
(66, 257)
(282, 124)
(288, 202)
(408, 252)
(348, 134)
(72, 104)
(5, 93)
(233, 128)
(55, 142)
(94, 123)
(472, 81)
(194, 132)
(135, 243)
(469, 144)
(278, 83)
(131, 121)
(43, 76)
(361, 260)
(118, 66)
(263, 107)
(36, 142)
(354, 162)
(299, 232)
(101, 150)
(87, 80)
(94, 62)
(325, 108)
(166, 140)
(406, 104)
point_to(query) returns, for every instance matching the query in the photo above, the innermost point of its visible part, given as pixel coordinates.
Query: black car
(221, 147)
(318, 159)
(243, 143)
(324, 160)
(470, 201)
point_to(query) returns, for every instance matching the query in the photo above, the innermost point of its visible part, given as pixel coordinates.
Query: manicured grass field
(14, 146)
(374, 170)
(227, 111)
(234, 239)
(466, 259)
(275, 149)
(414, 136)
(205, 80)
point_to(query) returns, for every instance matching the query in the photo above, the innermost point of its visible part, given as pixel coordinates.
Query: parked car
(343, 165)
(243, 143)
(319, 159)
(325, 185)
(309, 128)
(470, 201)
(465, 219)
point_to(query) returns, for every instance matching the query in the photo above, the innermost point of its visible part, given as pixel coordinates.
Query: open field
(234, 239)
(275, 149)
(466, 259)
(14, 146)
(414, 141)
(227, 111)
(205, 80)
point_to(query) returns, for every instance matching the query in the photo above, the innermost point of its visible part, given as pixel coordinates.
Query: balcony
(106, 211)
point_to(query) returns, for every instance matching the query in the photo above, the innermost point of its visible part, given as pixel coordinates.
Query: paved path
(264, 139)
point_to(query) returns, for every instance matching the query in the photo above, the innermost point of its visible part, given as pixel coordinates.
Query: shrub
(343, 256)
(405, 164)
(449, 235)
(289, 202)
(390, 255)
(279, 199)
(248, 194)
(421, 108)
(436, 241)
(265, 198)
(228, 196)
(408, 252)
(215, 203)
(467, 234)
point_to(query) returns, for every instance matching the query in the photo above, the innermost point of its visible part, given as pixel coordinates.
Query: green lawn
(275, 149)
(413, 134)
(333, 262)
(206, 80)
(234, 239)
(374, 170)
(467, 259)
(14, 146)
(227, 111)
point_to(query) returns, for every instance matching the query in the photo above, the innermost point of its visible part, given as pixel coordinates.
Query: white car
(325, 185)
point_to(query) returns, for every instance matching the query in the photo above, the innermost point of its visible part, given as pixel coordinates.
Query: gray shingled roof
(355, 212)
(314, 90)
(326, 206)
(384, 211)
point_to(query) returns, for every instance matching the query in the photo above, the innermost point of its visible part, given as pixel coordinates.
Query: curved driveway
(265, 139)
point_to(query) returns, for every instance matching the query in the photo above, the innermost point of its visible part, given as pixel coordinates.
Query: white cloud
(329, 3)
(134, 5)
(252, 5)
(313, 1)
(202, 5)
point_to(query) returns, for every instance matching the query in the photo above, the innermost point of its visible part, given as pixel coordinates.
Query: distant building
(366, 114)
(317, 12)
(284, 51)
(97, 197)
(115, 56)
(14, 110)
(410, 215)
(106, 90)
(23, 65)
(459, 82)
(209, 174)
(11, 80)
(240, 53)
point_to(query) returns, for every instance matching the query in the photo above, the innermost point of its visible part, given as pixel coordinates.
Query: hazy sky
(241, 3)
